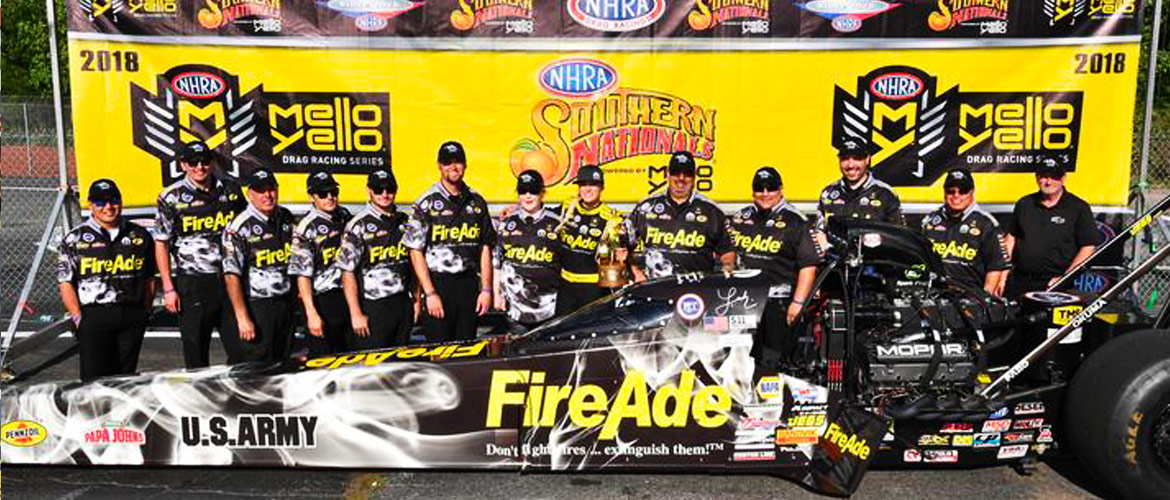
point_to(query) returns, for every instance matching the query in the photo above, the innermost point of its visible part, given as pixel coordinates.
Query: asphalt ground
(1058, 478)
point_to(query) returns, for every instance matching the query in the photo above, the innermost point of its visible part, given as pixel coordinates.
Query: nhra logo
(578, 78)
(1064, 11)
(711, 13)
(371, 15)
(918, 132)
(846, 16)
(615, 15)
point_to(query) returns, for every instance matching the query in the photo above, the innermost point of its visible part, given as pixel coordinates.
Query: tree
(24, 65)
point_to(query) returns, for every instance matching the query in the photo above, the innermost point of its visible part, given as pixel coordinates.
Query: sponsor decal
(431, 353)
(1030, 423)
(1064, 12)
(1092, 282)
(846, 16)
(1013, 451)
(954, 428)
(590, 406)
(997, 425)
(690, 307)
(578, 78)
(791, 437)
(940, 456)
(1017, 437)
(23, 433)
(1029, 408)
(988, 16)
(287, 131)
(752, 16)
(918, 130)
(769, 387)
(964, 440)
(752, 456)
(986, 440)
(851, 444)
(371, 15)
(911, 456)
(136, 9)
(1045, 435)
(262, 16)
(1061, 316)
(96, 9)
(250, 431)
(615, 15)
(516, 16)
(1105, 9)
(715, 324)
(934, 440)
(115, 433)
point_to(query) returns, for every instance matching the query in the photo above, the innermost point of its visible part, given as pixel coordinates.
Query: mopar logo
(918, 350)
(616, 15)
(578, 77)
(198, 85)
(896, 86)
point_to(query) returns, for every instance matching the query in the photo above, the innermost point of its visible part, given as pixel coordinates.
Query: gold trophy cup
(611, 269)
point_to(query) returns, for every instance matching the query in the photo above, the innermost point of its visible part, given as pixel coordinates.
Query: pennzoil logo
(287, 131)
(751, 15)
(918, 132)
(615, 15)
(989, 16)
(516, 16)
(262, 16)
(1064, 12)
(609, 126)
(23, 433)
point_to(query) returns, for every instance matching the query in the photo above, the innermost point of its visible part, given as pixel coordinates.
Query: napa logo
(897, 86)
(578, 78)
(615, 15)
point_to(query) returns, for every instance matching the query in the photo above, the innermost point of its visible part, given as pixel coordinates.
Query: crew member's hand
(316, 326)
(434, 306)
(483, 304)
(361, 325)
(171, 299)
(501, 304)
(1053, 281)
(247, 330)
(639, 276)
(794, 310)
(999, 287)
(822, 241)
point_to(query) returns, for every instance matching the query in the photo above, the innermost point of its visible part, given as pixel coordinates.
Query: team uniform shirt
(778, 242)
(1047, 239)
(450, 229)
(970, 244)
(257, 249)
(315, 243)
(373, 249)
(672, 238)
(873, 200)
(580, 235)
(107, 267)
(528, 255)
(192, 220)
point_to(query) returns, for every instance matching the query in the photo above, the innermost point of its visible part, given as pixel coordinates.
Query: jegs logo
(1064, 12)
(990, 16)
(288, 132)
(918, 132)
(615, 15)
(262, 16)
(751, 15)
(516, 16)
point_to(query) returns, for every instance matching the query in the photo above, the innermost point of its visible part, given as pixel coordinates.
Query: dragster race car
(894, 365)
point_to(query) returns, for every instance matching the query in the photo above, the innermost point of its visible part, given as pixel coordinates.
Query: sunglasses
(528, 191)
(104, 204)
(957, 191)
(329, 193)
(381, 190)
(198, 162)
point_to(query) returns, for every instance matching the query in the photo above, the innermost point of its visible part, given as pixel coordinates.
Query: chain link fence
(1152, 292)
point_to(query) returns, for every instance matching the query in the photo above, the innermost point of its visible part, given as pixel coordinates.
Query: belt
(572, 277)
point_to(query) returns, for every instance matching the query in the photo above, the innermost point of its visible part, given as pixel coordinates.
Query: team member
(858, 194)
(450, 237)
(582, 224)
(1051, 232)
(374, 261)
(192, 214)
(315, 244)
(255, 265)
(106, 279)
(967, 238)
(679, 231)
(528, 257)
(772, 236)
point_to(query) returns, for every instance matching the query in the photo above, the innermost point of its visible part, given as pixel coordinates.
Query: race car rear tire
(1118, 414)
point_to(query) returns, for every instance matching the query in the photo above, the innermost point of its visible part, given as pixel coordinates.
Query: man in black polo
(679, 231)
(967, 238)
(583, 222)
(257, 246)
(450, 237)
(858, 194)
(315, 244)
(528, 257)
(192, 214)
(106, 279)
(772, 236)
(376, 271)
(1051, 232)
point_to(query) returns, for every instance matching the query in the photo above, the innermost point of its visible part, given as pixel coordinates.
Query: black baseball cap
(320, 182)
(682, 162)
(452, 152)
(529, 181)
(853, 147)
(382, 178)
(766, 179)
(104, 191)
(959, 178)
(590, 175)
(195, 150)
(1051, 167)
(261, 178)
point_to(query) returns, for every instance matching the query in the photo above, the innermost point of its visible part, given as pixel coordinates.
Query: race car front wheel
(1118, 414)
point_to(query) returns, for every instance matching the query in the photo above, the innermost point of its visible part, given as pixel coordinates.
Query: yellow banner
(999, 111)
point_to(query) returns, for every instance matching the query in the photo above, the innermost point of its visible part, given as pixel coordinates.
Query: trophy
(611, 266)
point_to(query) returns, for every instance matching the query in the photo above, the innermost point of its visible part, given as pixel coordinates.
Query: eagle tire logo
(615, 15)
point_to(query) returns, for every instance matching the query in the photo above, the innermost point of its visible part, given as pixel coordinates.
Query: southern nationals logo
(515, 15)
(286, 131)
(990, 16)
(751, 15)
(918, 133)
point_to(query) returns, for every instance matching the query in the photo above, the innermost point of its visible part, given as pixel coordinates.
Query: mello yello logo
(589, 406)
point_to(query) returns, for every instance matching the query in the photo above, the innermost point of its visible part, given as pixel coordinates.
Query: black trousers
(203, 306)
(390, 320)
(775, 342)
(335, 323)
(273, 324)
(458, 293)
(573, 296)
(110, 338)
